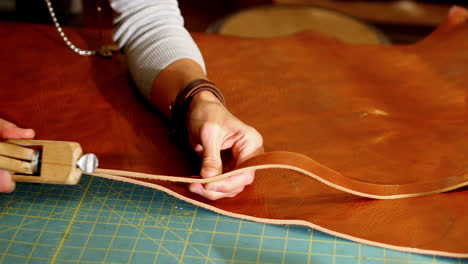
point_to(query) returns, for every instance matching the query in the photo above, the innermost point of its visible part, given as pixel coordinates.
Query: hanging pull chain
(103, 51)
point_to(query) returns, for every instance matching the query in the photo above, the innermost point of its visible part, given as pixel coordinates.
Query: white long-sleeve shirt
(152, 35)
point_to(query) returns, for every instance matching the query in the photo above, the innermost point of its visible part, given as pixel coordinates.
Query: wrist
(204, 97)
(171, 80)
(197, 92)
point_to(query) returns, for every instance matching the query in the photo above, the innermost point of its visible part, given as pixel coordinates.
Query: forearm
(163, 59)
(161, 54)
(171, 80)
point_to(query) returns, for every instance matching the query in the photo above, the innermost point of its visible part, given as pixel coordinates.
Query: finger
(10, 130)
(196, 188)
(251, 145)
(235, 192)
(16, 132)
(246, 147)
(213, 195)
(211, 141)
(7, 184)
(232, 183)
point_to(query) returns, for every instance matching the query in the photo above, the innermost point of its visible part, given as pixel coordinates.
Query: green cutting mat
(103, 221)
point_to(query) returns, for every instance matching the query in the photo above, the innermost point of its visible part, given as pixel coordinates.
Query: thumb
(7, 185)
(10, 130)
(211, 143)
(16, 132)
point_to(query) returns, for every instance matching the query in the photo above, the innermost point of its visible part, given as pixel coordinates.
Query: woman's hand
(9, 130)
(212, 128)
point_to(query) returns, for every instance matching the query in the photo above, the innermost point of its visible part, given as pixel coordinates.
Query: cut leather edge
(305, 165)
(282, 221)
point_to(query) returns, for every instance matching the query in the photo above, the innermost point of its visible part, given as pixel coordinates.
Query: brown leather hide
(381, 114)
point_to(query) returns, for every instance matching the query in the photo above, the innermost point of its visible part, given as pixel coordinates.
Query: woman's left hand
(9, 130)
(212, 128)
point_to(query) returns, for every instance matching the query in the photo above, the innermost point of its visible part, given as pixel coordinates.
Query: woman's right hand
(9, 130)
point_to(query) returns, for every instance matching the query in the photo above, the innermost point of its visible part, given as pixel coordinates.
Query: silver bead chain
(77, 50)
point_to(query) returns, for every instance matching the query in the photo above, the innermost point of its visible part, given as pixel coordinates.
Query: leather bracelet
(181, 105)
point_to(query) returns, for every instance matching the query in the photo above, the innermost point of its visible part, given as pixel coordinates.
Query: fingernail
(196, 190)
(29, 133)
(209, 172)
(12, 187)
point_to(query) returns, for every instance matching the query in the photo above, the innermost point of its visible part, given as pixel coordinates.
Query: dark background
(400, 26)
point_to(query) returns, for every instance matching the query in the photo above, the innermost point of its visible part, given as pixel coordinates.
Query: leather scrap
(384, 115)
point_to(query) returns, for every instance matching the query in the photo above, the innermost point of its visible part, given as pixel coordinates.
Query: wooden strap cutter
(45, 161)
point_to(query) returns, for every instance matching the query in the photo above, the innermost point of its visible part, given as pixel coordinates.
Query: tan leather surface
(379, 114)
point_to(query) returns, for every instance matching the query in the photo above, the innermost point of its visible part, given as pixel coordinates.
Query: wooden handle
(15, 151)
(15, 165)
(58, 162)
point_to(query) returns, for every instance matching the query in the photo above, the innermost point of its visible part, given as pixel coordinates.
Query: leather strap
(314, 170)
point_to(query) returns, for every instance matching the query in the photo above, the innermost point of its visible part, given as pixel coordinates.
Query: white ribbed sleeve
(152, 35)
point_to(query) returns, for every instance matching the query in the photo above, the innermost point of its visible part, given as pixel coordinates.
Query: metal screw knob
(88, 163)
